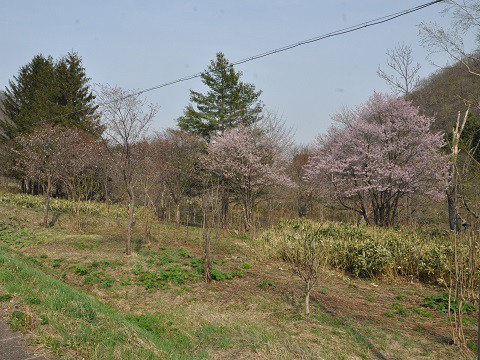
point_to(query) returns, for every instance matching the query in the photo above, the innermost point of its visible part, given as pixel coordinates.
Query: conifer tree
(74, 96)
(29, 98)
(227, 104)
(49, 92)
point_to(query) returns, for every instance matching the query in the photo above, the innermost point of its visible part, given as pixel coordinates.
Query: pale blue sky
(139, 44)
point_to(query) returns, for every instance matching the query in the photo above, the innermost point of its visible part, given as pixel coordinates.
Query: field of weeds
(77, 295)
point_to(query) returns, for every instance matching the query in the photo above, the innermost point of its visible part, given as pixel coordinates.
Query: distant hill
(444, 94)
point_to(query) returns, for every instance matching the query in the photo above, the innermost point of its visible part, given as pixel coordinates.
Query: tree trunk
(46, 207)
(105, 189)
(248, 215)
(177, 214)
(302, 208)
(207, 255)
(453, 217)
(207, 260)
(452, 212)
(224, 204)
(128, 249)
(162, 214)
(76, 206)
(45, 210)
(307, 301)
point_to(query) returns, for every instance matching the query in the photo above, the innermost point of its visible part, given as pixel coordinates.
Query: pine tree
(49, 92)
(227, 104)
(74, 96)
(29, 98)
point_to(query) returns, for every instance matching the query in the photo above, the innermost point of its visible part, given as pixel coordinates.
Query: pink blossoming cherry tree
(250, 162)
(380, 152)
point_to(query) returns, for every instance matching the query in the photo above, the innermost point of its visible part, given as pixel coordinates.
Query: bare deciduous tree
(182, 166)
(465, 19)
(465, 22)
(403, 75)
(126, 117)
(296, 170)
(149, 175)
(307, 252)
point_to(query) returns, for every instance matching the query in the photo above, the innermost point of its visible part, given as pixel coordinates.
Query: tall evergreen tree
(48, 91)
(74, 95)
(227, 104)
(29, 98)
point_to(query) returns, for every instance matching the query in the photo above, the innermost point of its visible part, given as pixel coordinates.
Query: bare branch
(405, 72)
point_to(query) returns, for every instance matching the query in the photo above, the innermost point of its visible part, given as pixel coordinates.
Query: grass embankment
(79, 296)
(65, 317)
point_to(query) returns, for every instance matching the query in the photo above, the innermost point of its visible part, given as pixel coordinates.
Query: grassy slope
(84, 298)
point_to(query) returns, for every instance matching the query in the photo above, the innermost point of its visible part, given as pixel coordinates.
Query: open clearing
(80, 296)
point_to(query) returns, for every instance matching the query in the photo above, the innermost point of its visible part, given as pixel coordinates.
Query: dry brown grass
(238, 319)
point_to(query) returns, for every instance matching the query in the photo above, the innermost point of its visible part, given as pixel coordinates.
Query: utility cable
(343, 31)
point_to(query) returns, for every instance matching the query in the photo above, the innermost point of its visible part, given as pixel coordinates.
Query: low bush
(171, 274)
(369, 251)
(440, 303)
(267, 284)
(80, 270)
(5, 297)
(19, 321)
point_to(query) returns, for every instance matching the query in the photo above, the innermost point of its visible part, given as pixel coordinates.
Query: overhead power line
(303, 42)
(343, 31)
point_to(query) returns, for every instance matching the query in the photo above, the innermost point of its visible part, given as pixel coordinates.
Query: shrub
(32, 300)
(440, 303)
(184, 253)
(66, 206)
(56, 263)
(220, 275)
(107, 283)
(172, 274)
(365, 259)
(80, 270)
(19, 321)
(44, 319)
(368, 251)
(91, 279)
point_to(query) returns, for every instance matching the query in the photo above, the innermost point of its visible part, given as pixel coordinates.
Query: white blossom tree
(250, 164)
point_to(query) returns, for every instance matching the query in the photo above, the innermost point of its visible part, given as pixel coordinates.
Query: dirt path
(12, 345)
